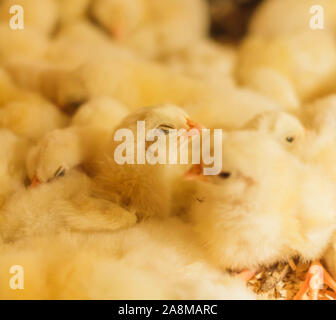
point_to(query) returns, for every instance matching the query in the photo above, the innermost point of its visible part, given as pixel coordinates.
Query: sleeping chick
(63, 149)
(264, 207)
(66, 203)
(128, 184)
(153, 28)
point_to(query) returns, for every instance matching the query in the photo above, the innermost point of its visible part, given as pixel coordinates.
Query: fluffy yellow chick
(133, 182)
(307, 59)
(265, 206)
(231, 108)
(320, 119)
(152, 260)
(70, 11)
(205, 60)
(274, 85)
(42, 15)
(274, 17)
(12, 164)
(153, 28)
(127, 184)
(30, 116)
(66, 203)
(21, 43)
(102, 112)
(285, 127)
(64, 149)
(81, 41)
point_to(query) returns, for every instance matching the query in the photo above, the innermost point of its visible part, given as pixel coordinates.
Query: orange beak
(35, 182)
(194, 125)
(195, 172)
(117, 33)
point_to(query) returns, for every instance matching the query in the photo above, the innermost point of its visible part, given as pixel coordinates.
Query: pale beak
(35, 182)
(194, 173)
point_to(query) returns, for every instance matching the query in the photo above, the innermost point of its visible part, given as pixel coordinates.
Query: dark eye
(165, 128)
(290, 139)
(60, 172)
(225, 175)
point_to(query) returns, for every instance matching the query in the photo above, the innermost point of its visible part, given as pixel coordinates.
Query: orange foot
(317, 276)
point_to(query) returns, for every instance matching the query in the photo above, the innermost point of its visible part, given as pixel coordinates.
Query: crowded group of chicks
(83, 226)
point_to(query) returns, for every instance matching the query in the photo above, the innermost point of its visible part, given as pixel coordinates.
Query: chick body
(269, 208)
(307, 59)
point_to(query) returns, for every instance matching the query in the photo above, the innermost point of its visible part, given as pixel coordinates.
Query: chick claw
(316, 277)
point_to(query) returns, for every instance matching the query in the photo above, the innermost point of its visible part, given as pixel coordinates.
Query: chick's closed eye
(165, 128)
(60, 172)
(225, 175)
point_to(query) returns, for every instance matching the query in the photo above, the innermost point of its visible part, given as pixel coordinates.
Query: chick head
(119, 17)
(238, 213)
(166, 116)
(58, 152)
(286, 128)
(160, 120)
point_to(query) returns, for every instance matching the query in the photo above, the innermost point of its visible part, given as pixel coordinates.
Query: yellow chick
(70, 11)
(265, 206)
(205, 60)
(31, 116)
(132, 182)
(306, 59)
(101, 112)
(274, 85)
(12, 164)
(128, 183)
(66, 203)
(21, 43)
(285, 127)
(63, 149)
(153, 28)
